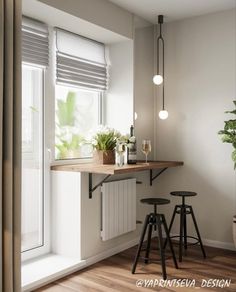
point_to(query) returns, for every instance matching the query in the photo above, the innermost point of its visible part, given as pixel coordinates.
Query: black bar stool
(157, 220)
(185, 210)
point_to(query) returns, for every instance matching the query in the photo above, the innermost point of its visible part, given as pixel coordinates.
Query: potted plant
(228, 135)
(104, 142)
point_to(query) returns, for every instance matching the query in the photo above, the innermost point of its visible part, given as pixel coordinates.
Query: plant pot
(234, 230)
(104, 157)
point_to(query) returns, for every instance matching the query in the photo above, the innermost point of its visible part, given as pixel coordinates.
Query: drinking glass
(120, 149)
(146, 147)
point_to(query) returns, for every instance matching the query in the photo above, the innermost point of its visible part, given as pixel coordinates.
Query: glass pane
(77, 113)
(32, 157)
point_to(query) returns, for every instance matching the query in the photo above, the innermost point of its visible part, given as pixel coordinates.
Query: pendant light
(158, 79)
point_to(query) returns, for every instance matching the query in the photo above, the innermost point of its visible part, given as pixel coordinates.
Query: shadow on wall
(214, 206)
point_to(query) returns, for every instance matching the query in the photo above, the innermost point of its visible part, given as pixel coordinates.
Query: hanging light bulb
(163, 114)
(157, 79)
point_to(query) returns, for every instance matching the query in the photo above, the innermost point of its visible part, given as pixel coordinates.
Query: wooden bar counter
(114, 169)
(110, 170)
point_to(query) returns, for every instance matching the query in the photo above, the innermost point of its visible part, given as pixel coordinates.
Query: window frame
(45, 247)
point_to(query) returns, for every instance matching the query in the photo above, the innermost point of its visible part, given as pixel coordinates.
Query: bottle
(132, 148)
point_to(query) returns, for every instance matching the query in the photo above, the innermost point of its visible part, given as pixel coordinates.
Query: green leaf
(234, 155)
(228, 135)
(227, 139)
(230, 125)
(222, 132)
(231, 112)
(66, 110)
(34, 109)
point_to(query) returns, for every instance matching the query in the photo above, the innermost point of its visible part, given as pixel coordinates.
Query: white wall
(100, 12)
(66, 214)
(200, 86)
(143, 89)
(120, 95)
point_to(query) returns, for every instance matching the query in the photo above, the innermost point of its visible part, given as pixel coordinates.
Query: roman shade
(80, 61)
(34, 42)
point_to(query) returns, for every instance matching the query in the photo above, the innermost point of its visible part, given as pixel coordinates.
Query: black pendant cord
(160, 40)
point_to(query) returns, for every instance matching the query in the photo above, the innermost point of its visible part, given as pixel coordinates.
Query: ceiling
(173, 9)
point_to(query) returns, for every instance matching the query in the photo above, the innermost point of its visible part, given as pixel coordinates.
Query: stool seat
(183, 193)
(155, 201)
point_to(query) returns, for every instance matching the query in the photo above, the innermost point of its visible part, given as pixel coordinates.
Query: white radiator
(118, 208)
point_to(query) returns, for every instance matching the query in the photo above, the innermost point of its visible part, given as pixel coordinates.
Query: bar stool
(157, 220)
(185, 210)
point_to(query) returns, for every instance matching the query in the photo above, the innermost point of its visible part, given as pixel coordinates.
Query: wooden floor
(113, 274)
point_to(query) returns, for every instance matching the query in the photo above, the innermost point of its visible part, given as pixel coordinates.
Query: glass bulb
(163, 114)
(135, 116)
(157, 79)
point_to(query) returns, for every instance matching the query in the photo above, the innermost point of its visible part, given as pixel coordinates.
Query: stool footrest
(188, 236)
(157, 261)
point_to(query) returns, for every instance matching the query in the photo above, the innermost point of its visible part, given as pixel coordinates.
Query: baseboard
(219, 244)
(108, 253)
(115, 250)
(133, 242)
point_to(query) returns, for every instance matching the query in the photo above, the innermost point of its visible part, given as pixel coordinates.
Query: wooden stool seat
(155, 201)
(183, 193)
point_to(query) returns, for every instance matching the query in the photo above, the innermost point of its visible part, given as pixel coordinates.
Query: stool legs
(171, 223)
(148, 243)
(198, 233)
(161, 247)
(183, 211)
(181, 232)
(169, 241)
(140, 243)
(185, 229)
(150, 221)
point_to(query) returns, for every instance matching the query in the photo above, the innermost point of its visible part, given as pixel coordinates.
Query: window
(34, 193)
(81, 78)
(32, 157)
(77, 112)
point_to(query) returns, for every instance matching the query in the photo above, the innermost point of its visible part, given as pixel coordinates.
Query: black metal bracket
(91, 188)
(152, 178)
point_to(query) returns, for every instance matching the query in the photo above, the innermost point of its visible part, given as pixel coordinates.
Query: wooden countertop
(114, 169)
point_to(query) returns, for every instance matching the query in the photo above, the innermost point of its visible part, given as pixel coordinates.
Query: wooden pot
(104, 157)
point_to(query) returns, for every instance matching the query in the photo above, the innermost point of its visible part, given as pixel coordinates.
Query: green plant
(228, 135)
(66, 110)
(105, 138)
(67, 138)
(64, 145)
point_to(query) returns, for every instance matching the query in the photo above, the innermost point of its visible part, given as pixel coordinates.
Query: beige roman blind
(35, 44)
(80, 61)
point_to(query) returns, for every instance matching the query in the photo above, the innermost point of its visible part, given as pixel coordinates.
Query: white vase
(234, 230)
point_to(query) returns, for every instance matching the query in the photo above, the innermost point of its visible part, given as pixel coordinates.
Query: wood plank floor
(113, 274)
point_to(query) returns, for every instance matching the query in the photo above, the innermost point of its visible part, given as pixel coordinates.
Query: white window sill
(72, 161)
(42, 270)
